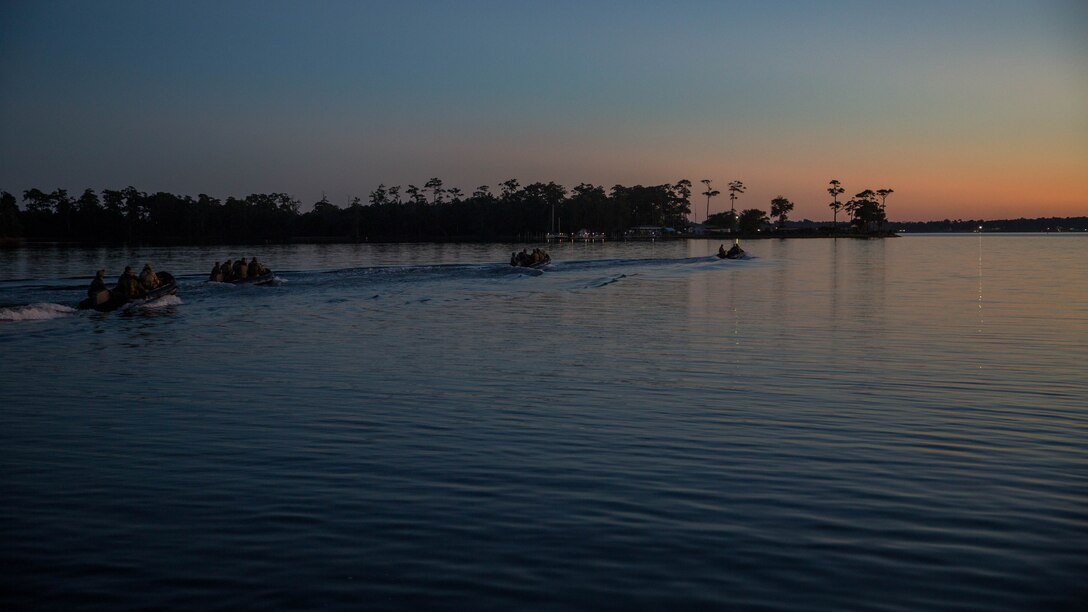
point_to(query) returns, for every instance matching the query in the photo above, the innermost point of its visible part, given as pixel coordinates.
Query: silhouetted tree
(326, 219)
(752, 221)
(866, 211)
(165, 216)
(727, 219)
(835, 190)
(207, 214)
(709, 193)
(554, 195)
(884, 193)
(10, 226)
(781, 207)
(64, 206)
(735, 188)
(113, 202)
(590, 207)
(324, 206)
(39, 218)
(356, 208)
(37, 201)
(88, 204)
(509, 188)
(435, 185)
(415, 194)
(642, 205)
(378, 196)
(134, 210)
(678, 205)
(286, 203)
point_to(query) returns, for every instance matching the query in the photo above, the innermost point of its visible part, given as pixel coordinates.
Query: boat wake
(604, 282)
(36, 312)
(399, 282)
(163, 302)
(432, 272)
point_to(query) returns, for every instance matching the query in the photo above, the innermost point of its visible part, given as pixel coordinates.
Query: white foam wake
(35, 312)
(164, 301)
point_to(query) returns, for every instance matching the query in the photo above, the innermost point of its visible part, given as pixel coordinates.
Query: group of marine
(128, 285)
(525, 259)
(237, 271)
(734, 252)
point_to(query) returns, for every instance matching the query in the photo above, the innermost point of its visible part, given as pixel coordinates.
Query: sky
(972, 110)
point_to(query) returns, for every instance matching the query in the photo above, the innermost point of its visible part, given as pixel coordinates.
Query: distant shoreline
(517, 214)
(15, 243)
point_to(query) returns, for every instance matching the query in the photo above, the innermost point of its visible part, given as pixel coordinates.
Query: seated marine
(241, 271)
(98, 284)
(214, 276)
(148, 279)
(128, 285)
(256, 268)
(540, 256)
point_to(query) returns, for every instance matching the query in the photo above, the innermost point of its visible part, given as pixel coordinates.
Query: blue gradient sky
(975, 109)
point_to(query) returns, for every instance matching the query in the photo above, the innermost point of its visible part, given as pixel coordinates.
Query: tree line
(1040, 224)
(431, 212)
(867, 215)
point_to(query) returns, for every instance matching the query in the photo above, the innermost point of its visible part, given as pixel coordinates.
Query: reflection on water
(981, 321)
(830, 425)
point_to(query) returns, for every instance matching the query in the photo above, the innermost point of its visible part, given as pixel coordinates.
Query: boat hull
(536, 266)
(734, 252)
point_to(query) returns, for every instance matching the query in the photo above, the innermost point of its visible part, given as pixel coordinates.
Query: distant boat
(106, 300)
(734, 252)
(539, 258)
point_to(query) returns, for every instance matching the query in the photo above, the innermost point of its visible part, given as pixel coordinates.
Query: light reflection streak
(980, 317)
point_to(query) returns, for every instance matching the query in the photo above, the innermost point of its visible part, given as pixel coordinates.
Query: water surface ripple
(883, 425)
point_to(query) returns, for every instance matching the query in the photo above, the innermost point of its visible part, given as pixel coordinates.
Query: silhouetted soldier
(98, 284)
(242, 271)
(128, 285)
(148, 279)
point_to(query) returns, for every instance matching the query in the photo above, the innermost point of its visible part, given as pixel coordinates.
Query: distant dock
(582, 236)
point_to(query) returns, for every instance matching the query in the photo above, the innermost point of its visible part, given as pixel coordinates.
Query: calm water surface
(890, 425)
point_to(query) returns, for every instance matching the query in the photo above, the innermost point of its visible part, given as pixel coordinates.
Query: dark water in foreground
(894, 425)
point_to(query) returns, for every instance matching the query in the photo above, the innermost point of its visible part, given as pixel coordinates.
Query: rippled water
(890, 424)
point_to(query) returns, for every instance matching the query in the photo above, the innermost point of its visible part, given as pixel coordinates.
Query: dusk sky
(965, 109)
